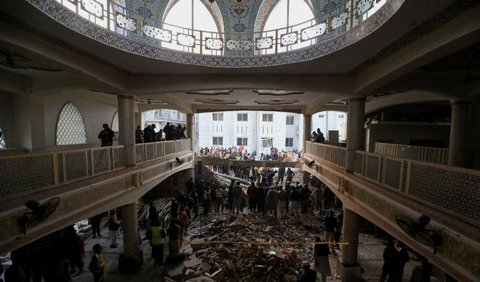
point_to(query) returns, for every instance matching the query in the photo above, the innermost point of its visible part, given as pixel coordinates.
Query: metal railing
(20, 174)
(137, 25)
(454, 190)
(416, 153)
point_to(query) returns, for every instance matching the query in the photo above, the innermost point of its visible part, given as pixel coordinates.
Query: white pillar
(190, 133)
(457, 154)
(132, 257)
(126, 124)
(307, 129)
(355, 129)
(351, 230)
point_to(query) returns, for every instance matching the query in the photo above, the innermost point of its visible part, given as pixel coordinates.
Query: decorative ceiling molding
(210, 92)
(217, 101)
(277, 102)
(265, 92)
(148, 49)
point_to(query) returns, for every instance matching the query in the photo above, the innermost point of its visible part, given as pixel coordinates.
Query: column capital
(125, 96)
(455, 102)
(356, 99)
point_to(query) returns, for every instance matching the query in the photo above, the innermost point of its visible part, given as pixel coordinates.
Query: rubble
(247, 247)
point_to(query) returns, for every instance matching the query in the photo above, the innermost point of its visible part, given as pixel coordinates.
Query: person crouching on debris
(307, 274)
(97, 264)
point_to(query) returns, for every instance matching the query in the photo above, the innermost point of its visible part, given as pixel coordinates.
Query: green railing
(20, 174)
(451, 189)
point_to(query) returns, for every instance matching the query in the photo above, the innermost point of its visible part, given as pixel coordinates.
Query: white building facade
(255, 130)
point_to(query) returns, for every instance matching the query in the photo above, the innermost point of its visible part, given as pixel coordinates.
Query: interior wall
(7, 118)
(402, 133)
(94, 113)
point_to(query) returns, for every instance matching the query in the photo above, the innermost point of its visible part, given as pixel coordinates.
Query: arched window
(2, 140)
(114, 126)
(70, 126)
(182, 18)
(287, 13)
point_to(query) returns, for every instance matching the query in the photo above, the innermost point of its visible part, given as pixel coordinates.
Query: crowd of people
(147, 135)
(53, 258)
(168, 132)
(241, 153)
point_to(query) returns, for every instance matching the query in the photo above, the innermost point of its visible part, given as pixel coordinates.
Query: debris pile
(248, 247)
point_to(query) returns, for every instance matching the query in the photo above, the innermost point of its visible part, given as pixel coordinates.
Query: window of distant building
(288, 142)
(321, 116)
(242, 117)
(70, 126)
(242, 141)
(217, 116)
(267, 142)
(341, 116)
(267, 117)
(217, 141)
(290, 120)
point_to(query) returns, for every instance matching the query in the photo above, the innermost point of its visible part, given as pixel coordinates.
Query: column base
(350, 273)
(130, 264)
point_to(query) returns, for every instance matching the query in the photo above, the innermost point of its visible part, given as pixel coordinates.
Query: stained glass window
(70, 126)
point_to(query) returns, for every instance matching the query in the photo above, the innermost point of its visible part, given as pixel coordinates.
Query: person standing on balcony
(138, 135)
(106, 136)
(319, 138)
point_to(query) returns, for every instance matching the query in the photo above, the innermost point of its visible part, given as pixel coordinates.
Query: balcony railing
(112, 23)
(451, 189)
(416, 153)
(25, 173)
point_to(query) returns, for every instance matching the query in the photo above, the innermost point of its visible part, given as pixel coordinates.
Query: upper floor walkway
(86, 181)
(383, 189)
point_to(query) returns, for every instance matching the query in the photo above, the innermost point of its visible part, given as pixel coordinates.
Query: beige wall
(402, 133)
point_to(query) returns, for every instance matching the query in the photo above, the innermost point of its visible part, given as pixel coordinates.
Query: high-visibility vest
(100, 261)
(219, 194)
(157, 239)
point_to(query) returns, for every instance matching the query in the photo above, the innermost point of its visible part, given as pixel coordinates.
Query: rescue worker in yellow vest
(156, 234)
(97, 264)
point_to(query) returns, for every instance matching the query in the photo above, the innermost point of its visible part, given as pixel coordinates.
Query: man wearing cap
(97, 264)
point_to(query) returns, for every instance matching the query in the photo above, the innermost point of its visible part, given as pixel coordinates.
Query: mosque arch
(70, 126)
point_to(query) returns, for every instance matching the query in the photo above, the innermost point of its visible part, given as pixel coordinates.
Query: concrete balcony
(86, 181)
(383, 188)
